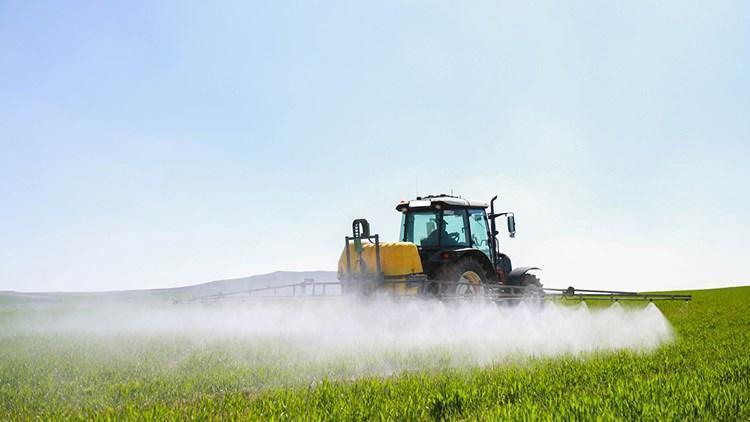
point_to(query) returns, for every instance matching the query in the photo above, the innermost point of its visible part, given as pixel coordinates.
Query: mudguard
(515, 276)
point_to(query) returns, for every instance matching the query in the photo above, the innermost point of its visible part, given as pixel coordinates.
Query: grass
(704, 374)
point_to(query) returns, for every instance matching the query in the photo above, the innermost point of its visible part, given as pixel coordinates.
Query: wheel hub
(470, 284)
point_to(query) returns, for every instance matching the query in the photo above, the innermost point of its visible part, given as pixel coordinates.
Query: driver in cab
(440, 234)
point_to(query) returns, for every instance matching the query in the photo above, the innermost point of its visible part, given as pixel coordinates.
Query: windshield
(430, 228)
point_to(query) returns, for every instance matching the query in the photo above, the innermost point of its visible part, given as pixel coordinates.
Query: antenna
(416, 184)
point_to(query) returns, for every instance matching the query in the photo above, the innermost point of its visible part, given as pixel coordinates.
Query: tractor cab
(448, 228)
(434, 223)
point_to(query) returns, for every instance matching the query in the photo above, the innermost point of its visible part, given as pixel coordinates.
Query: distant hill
(277, 278)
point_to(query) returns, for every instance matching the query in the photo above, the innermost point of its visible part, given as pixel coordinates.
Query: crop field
(138, 372)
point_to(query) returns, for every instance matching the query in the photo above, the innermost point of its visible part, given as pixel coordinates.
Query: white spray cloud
(374, 334)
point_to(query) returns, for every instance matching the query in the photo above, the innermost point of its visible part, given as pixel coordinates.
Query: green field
(703, 374)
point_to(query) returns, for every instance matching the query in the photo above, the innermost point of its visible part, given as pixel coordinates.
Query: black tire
(465, 277)
(534, 292)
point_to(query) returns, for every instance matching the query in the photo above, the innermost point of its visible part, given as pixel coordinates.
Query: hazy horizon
(550, 285)
(303, 273)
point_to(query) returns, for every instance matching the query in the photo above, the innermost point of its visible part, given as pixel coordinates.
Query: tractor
(448, 247)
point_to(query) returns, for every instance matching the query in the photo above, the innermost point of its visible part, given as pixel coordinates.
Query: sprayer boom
(316, 290)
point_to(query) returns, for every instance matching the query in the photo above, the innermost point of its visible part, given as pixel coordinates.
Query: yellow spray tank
(368, 266)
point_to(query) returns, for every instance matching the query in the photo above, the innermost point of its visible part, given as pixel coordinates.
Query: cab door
(480, 231)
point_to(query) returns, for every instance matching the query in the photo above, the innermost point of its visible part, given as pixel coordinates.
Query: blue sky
(147, 145)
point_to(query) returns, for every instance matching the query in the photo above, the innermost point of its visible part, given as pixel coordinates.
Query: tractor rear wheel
(533, 288)
(466, 277)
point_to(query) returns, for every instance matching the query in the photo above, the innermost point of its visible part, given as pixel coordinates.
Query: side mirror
(512, 225)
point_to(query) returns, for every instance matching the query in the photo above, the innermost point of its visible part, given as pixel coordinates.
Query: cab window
(434, 229)
(479, 231)
(455, 233)
(418, 225)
